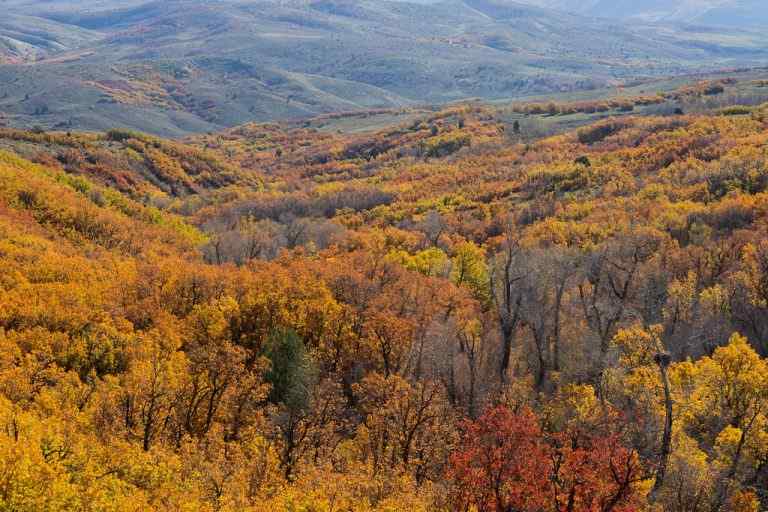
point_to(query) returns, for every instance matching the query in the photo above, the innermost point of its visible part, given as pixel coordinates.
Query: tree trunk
(663, 360)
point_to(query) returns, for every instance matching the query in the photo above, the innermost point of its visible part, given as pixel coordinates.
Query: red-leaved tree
(506, 463)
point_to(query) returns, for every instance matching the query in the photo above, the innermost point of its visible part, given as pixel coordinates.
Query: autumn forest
(446, 312)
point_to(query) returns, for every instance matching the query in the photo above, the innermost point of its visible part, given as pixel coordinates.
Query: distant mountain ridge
(733, 13)
(175, 67)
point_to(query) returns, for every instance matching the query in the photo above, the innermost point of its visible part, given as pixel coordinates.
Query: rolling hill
(188, 66)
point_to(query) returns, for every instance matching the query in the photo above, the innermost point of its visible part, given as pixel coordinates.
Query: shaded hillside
(135, 164)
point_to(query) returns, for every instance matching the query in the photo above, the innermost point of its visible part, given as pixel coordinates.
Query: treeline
(624, 103)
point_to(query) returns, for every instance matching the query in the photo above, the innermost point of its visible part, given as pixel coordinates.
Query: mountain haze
(733, 13)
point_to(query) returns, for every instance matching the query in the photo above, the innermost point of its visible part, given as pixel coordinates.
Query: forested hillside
(451, 313)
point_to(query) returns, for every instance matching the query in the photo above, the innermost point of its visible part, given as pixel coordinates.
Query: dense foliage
(439, 316)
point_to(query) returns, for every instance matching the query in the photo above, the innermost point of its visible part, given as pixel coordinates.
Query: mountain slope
(184, 66)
